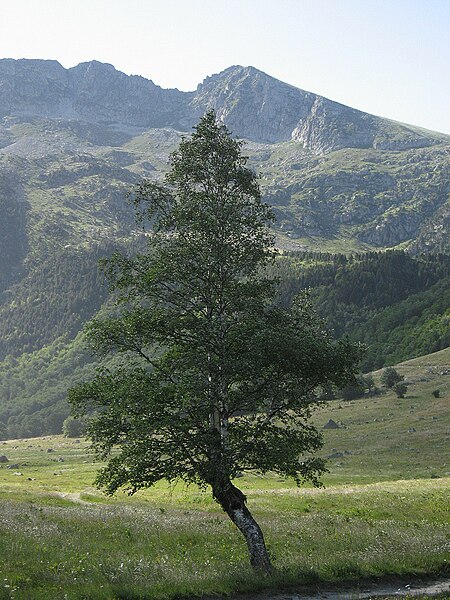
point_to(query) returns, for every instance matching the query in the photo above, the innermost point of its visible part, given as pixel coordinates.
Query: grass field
(383, 512)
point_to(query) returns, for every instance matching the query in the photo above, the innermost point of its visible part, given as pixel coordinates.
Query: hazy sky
(387, 57)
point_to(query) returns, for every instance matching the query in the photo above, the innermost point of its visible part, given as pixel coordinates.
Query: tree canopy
(215, 377)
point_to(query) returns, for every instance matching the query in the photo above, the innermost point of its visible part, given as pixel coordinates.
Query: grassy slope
(378, 431)
(383, 511)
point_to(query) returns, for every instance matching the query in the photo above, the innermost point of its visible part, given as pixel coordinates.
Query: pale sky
(387, 57)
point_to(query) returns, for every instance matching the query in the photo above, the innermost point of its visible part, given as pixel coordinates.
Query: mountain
(74, 141)
(252, 104)
(93, 92)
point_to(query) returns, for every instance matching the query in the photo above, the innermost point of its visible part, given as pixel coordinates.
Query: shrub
(400, 389)
(390, 377)
(362, 385)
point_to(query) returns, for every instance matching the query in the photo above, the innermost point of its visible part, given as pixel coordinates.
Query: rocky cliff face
(252, 104)
(100, 93)
(92, 91)
(33, 87)
(331, 126)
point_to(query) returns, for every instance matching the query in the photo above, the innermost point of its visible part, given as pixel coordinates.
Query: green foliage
(372, 280)
(68, 290)
(394, 303)
(33, 388)
(363, 384)
(13, 231)
(54, 299)
(216, 378)
(400, 389)
(436, 393)
(72, 427)
(390, 377)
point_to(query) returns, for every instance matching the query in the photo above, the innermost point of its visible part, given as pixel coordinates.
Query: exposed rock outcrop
(252, 104)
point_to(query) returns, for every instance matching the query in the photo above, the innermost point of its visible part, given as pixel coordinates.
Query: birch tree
(214, 377)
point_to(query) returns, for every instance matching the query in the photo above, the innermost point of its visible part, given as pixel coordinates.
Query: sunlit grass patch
(383, 512)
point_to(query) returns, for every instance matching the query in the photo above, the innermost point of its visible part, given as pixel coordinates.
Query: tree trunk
(232, 500)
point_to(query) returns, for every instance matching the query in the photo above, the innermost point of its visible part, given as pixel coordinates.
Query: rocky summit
(252, 104)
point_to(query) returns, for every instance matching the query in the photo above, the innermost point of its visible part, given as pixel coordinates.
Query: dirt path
(363, 591)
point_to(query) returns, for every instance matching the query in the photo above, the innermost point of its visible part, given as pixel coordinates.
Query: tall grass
(77, 549)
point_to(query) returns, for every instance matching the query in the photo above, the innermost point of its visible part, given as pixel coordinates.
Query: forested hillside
(13, 231)
(53, 299)
(33, 387)
(396, 304)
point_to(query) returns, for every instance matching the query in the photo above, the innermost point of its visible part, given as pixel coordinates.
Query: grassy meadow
(382, 513)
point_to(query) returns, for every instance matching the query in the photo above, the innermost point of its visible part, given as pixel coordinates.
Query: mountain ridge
(72, 141)
(253, 104)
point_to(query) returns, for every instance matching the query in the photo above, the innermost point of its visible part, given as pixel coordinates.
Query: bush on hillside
(390, 377)
(363, 385)
(400, 389)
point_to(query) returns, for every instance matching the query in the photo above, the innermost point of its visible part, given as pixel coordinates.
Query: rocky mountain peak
(32, 86)
(101, 93)
(95, 65)
(251, 103)
(30, 65)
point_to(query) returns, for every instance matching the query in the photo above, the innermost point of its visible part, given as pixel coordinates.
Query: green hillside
(54, 298)
(394, 303)
(379, 438)
(63, 186)
(386, 438)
